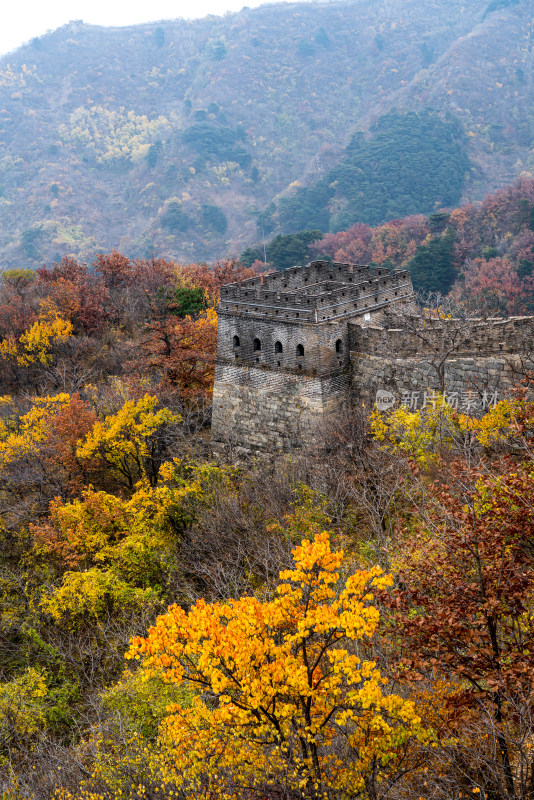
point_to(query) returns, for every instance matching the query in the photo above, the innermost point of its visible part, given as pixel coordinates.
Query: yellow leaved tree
(420, 435)
(115, 555)
(283, 696)
(21, 436)
(425, 434)
(22, 712)
(36, 344)
(131, 444)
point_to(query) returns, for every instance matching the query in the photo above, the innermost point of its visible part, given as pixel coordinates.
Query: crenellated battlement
(400, 338)
(317, 293)
(466, 360)
(294, 345)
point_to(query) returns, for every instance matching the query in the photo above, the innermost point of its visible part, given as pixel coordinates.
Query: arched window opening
(278, 347)
(300, 350)
(236, 341)
(339, 346)
(257, 344)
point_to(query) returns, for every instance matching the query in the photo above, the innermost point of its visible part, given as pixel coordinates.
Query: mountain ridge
(92, 120)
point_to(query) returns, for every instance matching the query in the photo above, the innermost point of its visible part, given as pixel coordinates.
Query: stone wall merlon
(250, 282)
(230, 290)
(387, 288)
(348, 307)
(268, 295)
(292, 301)
(314, 290)
(359, 312)
(317, 279)
(292, 272)
(363, 305)
(349, 272)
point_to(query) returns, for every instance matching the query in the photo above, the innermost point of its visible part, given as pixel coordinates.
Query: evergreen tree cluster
(412, 163)
(218, 143)
(432, 266)
(283, 251)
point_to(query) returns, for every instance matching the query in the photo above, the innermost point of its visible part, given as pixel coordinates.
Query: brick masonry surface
(263, 409)
(483, 356)
(294, 345)
(283, 350)
(478, 375)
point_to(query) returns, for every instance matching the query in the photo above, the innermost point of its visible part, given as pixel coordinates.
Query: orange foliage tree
(182, 352)
(494, 286)
(211, 278)
(281, 698)
(65, 429)
(352, 245)
(464, 612)
(79, 296)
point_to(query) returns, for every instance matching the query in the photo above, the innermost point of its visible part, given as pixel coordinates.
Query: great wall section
(294, 346)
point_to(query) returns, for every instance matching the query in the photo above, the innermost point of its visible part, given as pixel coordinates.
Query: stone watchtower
(283, 361)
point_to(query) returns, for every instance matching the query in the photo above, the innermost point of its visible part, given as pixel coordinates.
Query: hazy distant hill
(170, 137)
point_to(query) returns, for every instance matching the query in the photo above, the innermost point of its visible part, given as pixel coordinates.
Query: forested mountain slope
(171, 137)
(480, 254)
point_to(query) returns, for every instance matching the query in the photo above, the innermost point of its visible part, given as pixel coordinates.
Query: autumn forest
(181, 618)
(353, 621)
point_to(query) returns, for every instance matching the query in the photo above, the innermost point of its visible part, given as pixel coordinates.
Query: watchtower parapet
(316, 293)
(293, 345)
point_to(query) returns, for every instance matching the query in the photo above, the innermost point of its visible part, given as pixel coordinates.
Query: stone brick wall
(491, 356)
(473, 337)
(318, 342)
(463, 375)
(292, 346)
(276, 394)
(264, 409)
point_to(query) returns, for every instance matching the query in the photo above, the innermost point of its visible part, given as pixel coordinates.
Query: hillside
(481, 254)
(180, 623)
(171, 137)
